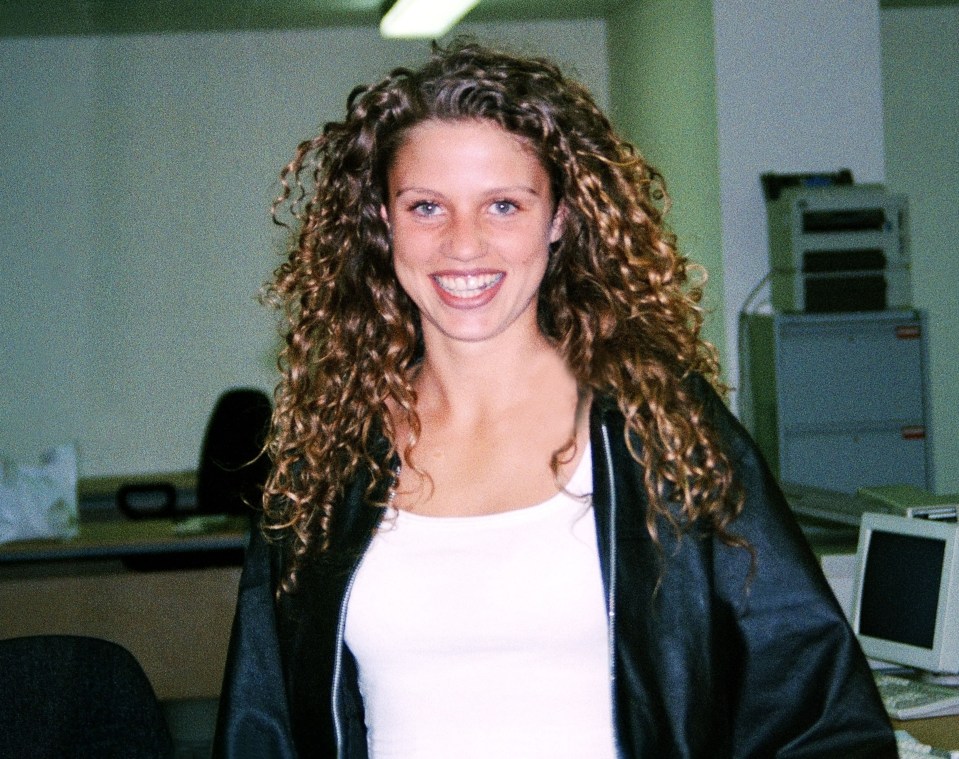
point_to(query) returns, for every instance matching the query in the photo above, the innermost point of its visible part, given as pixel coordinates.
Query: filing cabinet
(840, 400)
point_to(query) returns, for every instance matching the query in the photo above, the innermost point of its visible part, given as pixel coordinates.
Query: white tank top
(485, 636)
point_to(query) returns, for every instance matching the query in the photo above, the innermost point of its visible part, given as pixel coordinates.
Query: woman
(509, 516)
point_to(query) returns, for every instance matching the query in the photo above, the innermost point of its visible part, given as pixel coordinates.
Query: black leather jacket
(707, 662)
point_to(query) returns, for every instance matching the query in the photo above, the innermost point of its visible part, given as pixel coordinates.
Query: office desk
(176, 622)
(938, 732)
(118, 537)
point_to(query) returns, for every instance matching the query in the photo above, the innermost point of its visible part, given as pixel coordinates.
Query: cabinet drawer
(848, 460)
(849, 373)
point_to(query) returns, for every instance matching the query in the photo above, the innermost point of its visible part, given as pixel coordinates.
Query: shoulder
(696, 400)
(765, 521)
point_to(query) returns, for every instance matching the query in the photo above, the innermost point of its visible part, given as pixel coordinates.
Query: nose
(466, 239)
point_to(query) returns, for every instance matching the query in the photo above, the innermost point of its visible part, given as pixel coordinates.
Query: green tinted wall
(920, 67)
(663, 93)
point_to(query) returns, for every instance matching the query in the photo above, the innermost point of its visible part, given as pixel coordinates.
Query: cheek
(535, 245)
(405, 272)
(407, 241)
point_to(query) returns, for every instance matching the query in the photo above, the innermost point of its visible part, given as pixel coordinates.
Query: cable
(745, 395)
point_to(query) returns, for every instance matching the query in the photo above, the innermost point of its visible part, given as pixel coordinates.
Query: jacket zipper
(611, 589)
(338, 656)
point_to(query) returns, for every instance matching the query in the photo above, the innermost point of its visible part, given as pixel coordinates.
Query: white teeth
(469, 285)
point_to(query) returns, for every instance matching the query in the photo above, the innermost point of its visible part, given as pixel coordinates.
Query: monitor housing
(906, 593)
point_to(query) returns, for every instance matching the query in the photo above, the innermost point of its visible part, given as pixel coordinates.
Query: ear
(385, 216)
(558, 224)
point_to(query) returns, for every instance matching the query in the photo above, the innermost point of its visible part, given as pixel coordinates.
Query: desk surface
(126, 537)
(938, 732)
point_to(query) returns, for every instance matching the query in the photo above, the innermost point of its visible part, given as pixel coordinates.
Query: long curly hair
(618, 301)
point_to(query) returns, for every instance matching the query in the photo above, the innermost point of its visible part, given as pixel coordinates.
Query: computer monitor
(906, 594)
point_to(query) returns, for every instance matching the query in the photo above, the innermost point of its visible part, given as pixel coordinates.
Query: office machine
(839, 248)
(906, 593)
(773, 183)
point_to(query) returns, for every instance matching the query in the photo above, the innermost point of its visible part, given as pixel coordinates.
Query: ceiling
(61, 17)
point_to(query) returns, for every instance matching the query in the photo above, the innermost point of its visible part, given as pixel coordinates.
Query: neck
(480, 380)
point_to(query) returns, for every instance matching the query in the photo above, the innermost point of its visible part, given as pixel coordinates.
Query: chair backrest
(75, 696)
(233, 468)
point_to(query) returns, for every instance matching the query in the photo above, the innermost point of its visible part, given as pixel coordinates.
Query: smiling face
(472, 215)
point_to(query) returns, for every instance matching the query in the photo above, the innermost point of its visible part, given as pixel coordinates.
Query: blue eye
(425, 208)
(504, 207)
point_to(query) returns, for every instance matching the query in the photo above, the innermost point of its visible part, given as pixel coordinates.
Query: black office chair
(233, 467)
(67, 696)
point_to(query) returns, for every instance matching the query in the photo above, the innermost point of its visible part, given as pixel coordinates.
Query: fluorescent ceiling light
(424, 18)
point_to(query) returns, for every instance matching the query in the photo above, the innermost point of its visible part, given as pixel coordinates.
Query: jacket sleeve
(806, 689)
(253, 719)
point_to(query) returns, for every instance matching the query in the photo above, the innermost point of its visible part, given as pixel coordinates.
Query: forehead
(467, 144)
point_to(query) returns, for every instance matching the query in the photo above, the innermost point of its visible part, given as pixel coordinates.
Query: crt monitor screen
(905, 609)
(894, 606)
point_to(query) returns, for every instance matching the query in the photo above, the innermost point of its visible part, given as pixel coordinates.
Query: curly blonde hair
(617, 299)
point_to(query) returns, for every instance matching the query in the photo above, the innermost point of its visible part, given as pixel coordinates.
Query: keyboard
(908, 698)
(830, 505)
(846, 508)
(910, 748)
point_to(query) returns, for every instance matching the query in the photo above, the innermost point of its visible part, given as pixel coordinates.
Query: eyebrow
(492, 191)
